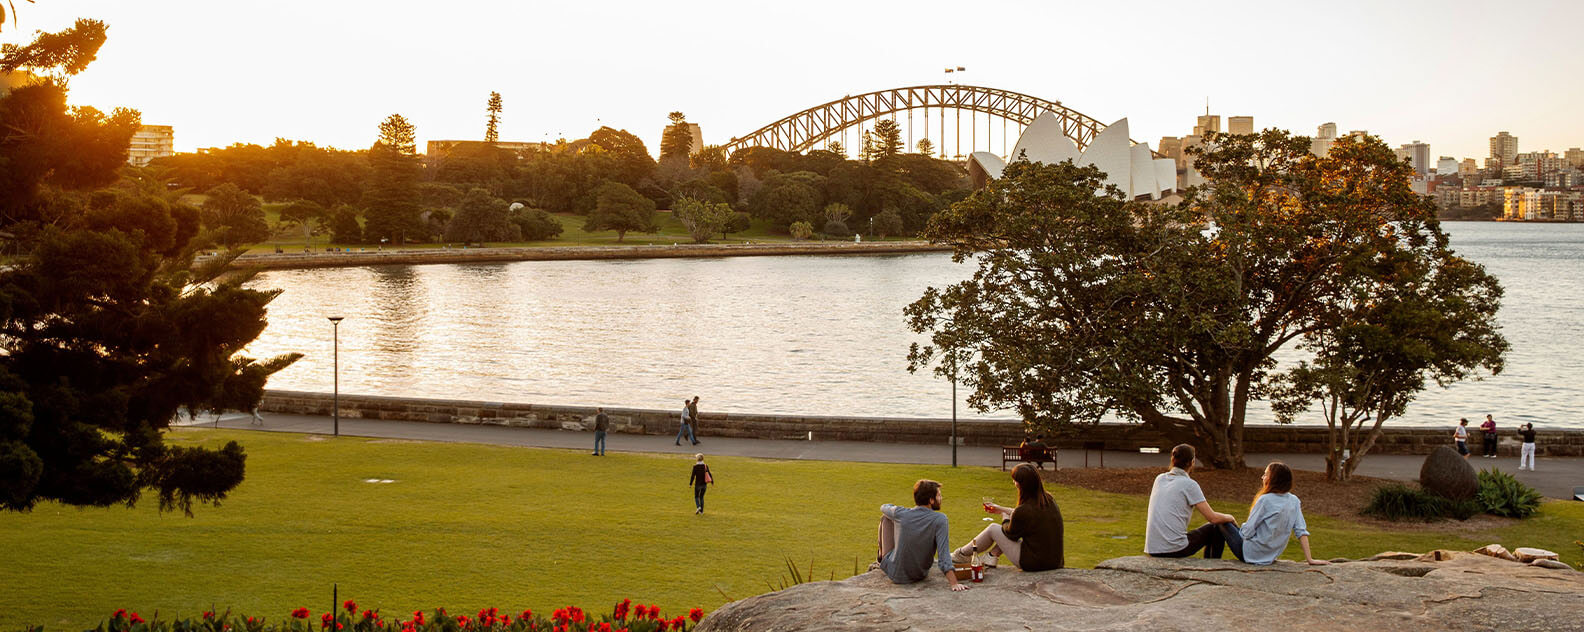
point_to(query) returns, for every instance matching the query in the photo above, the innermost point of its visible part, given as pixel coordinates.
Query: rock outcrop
(1399, 592)
(1447, 474)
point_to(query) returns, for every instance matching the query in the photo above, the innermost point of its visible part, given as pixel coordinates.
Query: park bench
(1015, 454)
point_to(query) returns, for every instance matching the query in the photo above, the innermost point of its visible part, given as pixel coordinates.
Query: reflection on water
(802, 335)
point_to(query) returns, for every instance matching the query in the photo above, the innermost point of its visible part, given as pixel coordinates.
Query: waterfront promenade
(364, 256)
(1555, 476)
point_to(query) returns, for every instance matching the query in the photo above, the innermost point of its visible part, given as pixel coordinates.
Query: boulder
(1497, 550)
(1447, 474)
(1449, 591)
(1527, 554)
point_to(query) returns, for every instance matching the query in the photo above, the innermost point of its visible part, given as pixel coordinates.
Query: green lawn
(671, 232)
(467, 526)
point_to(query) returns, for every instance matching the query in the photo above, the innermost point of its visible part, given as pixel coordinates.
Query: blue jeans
(599, 442)
(1233, 538)
(686, 431)
(698, 496)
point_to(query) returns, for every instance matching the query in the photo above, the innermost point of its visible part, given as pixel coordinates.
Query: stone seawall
(270, 261)
(1258, 438)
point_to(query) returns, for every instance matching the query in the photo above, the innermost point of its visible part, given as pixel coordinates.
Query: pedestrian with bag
(700, 479)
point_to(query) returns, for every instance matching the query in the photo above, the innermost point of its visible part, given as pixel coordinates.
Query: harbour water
(794, 335)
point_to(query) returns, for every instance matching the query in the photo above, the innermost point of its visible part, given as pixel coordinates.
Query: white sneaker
(987, 560)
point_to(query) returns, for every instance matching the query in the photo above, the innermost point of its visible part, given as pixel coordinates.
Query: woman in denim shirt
(1275, 516)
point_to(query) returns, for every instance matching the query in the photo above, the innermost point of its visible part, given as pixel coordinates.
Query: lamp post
(335, 324)
(954, 407)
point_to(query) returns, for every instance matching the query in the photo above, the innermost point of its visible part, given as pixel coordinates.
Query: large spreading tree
(1086, 303)
(107, 327)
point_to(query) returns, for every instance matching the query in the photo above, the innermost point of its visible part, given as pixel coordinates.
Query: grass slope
(468, 526)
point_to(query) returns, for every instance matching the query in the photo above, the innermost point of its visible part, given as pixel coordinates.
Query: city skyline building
(1418, 155)
(150, 142)
(1240, 125)
(1504, 148)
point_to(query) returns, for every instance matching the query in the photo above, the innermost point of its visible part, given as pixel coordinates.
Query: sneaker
(987, 560)
(962, 555)
(875, 565)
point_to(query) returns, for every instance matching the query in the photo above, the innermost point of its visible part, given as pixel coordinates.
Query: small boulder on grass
(1447, 474)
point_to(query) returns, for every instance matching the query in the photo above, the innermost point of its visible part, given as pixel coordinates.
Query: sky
(1449, 73)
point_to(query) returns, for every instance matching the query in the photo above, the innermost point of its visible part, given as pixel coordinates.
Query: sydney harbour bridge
(935, 112)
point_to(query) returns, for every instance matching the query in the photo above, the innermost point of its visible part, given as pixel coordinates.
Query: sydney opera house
(1132, 168)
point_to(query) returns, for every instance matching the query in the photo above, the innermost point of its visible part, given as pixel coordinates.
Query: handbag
(709, 479)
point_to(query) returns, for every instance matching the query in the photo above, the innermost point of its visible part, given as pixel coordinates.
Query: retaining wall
(1257, 438)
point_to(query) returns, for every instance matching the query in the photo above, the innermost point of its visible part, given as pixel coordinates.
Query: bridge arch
(806, 129)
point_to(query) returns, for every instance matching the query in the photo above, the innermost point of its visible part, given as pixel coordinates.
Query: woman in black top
(1030, 536)
(700, 479)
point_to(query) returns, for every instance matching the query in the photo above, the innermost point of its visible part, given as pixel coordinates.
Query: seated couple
(1030, 536)
(1275, 516)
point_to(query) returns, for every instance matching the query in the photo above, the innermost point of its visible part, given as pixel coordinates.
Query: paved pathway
(1555, 477)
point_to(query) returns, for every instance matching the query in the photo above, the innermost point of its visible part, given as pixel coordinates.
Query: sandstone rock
(1465, 591)
(1553, 564)
(1496, 550)
(1526, 554)
(1447, 474)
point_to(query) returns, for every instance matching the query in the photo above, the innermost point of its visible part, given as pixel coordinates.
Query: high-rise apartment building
(1327, 130)
(1504, 148)
(1240, 125)
(150, 142)
(1446, 166)
(1418, 155)
(1171, 147)
(1574, 156)
(1468, 168)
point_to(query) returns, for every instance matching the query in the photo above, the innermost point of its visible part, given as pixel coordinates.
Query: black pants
(698, 496)
(1207, 536)
(1490, 444)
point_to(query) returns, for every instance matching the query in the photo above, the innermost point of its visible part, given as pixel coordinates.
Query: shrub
(1399, 502)
(536, 224)
(1502, 495)
(835, 228)
(801, 230)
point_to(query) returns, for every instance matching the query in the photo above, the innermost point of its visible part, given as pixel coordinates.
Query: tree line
(482, 192)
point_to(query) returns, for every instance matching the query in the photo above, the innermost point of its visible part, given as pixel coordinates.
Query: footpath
(1555, 477)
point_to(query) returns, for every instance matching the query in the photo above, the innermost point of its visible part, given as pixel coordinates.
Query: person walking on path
(1527, 454)
(694, 415)
(1460, 436)
(601, 424)
(1275, 517)
(700, 479)
(686, 428)
(1489, 428)
(911, 536)
(1172, 501)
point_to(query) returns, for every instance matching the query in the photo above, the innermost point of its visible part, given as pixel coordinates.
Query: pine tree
(392, 197)
(492, 129)
(677, 142)
(926, 148)
(887, 139)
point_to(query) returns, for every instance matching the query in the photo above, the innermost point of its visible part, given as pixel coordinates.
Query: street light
(335, 324)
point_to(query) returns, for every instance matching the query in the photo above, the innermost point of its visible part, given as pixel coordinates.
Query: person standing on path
(685, 429)
(1527, 453)
(601, 424)
(700, 479)
(1460, 436)
(694, 415)
(1489, 428)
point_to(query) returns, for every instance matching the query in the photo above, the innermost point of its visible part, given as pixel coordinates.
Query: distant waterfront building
(1504, 148)
(696, 133)
(435, 149)
(1418, 155)
(1240, 125)
(150, 142)
(1447, 166)
(1574, 156)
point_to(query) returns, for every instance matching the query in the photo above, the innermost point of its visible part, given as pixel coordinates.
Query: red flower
(135, 618)
(418, 617)
(639, 611)
(326, 619)
(250, 619)
(696, 614)
(526, 614)
(119, 614)
(654, 612)
(349, 605)
(462, 620)
(368, 614)
(663, 625)
(208, 615)
(300, 613)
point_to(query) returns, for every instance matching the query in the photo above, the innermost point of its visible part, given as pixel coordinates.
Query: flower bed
(623, 617)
